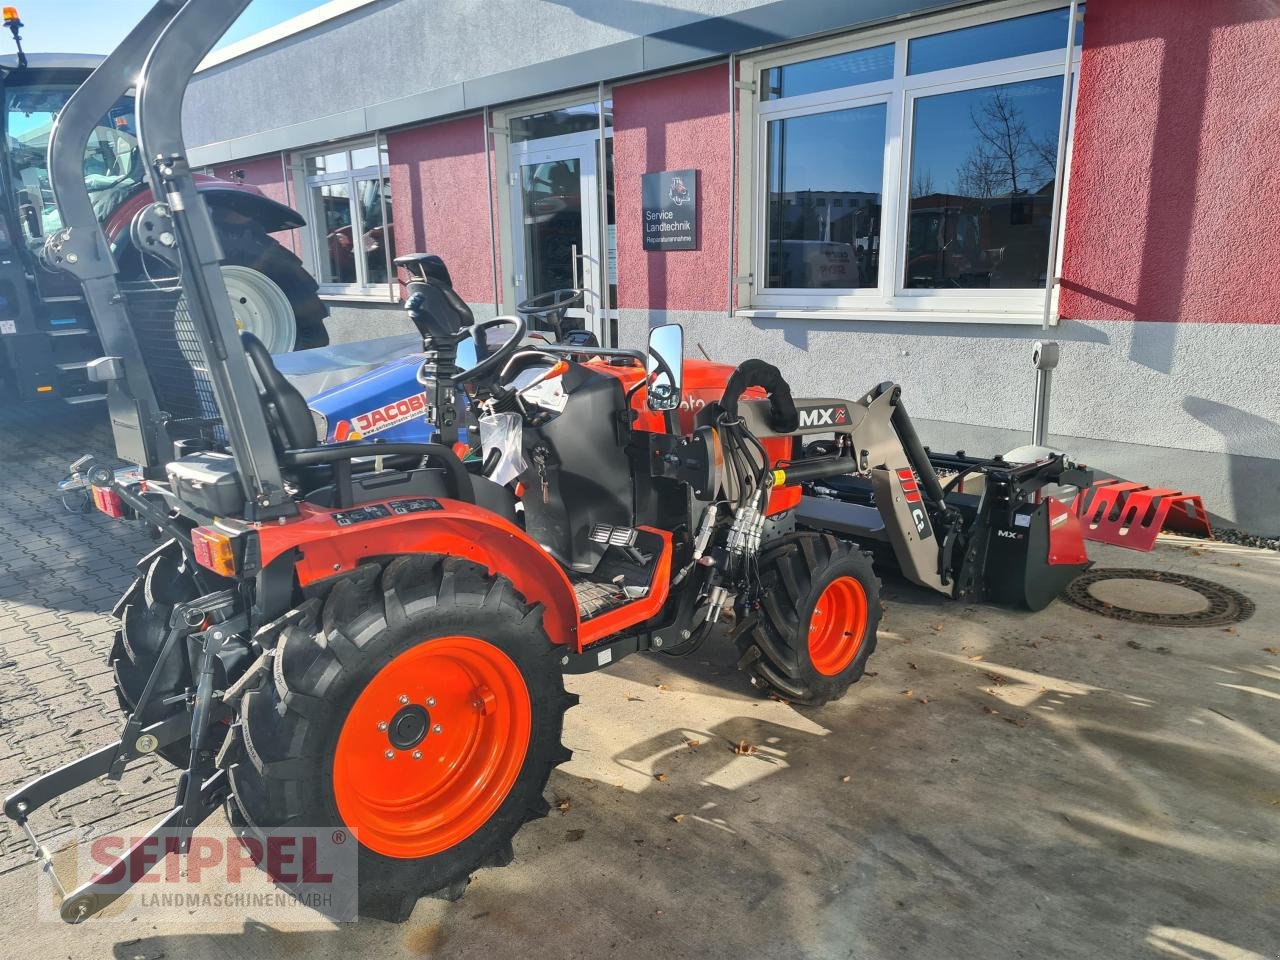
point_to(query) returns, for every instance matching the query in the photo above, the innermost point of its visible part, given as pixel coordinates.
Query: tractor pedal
(613, 536)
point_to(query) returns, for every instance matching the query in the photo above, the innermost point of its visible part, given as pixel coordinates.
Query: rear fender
(250, 203)
(326, 548)
(242, 198)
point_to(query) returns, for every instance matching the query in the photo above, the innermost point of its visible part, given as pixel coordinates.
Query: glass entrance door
(555, 202)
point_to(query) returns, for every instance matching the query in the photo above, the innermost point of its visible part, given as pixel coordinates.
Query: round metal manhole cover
(1157, 597)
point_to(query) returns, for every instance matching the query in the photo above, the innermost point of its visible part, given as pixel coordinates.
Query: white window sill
(1019, 318)
(337, 296)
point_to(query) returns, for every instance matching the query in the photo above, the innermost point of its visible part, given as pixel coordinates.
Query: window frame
(889, 299)
(314, 245)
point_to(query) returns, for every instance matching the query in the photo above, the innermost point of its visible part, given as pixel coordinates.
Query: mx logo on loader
(915, 502)
(835, 415)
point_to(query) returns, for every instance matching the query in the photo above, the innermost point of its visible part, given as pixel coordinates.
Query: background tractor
(47, 336)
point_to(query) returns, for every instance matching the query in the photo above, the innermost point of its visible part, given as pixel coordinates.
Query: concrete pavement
(1000, 785)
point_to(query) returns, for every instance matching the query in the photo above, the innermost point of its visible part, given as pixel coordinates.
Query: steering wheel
(496, 360)
(662, 392)
(550, 307)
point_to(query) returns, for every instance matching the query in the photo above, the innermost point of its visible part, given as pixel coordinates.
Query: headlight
(322, 424)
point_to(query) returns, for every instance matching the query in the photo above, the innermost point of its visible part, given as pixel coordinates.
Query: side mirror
(665, 369)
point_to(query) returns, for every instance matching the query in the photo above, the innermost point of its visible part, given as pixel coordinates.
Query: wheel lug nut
(417, 754)
(382, 725)
(404, 698)
(437, 729)
(431, 701)
(390, 754)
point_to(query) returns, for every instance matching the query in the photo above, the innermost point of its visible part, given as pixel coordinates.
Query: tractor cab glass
(666, 366)
(112, 165)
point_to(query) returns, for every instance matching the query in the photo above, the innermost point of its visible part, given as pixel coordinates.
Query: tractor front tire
(814, 628)
(420, 708)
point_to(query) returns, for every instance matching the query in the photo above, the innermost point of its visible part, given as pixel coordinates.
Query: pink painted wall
(673, 123)
(267, 173)
(438, 200)
(1174, 198)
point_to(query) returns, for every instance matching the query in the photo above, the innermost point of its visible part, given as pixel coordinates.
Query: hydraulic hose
(756, 373)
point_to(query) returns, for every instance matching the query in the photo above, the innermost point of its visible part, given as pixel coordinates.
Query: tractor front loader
(373, 636)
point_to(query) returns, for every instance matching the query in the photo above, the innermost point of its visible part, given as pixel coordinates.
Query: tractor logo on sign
(384, 418)
(832, 416)
(679, 193)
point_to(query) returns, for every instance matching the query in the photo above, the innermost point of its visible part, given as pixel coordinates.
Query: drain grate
(1221, 605)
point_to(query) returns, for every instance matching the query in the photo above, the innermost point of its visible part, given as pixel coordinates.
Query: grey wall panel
(406, 61)
(564, 73)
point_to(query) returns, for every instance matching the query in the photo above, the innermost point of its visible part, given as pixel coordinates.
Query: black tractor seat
(329, 471)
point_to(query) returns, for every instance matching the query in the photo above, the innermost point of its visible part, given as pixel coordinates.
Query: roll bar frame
(161, 53)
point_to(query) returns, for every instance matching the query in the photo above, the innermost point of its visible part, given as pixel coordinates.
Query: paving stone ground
(60, 574)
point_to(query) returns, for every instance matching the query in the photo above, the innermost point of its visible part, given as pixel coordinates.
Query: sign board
(670, 202)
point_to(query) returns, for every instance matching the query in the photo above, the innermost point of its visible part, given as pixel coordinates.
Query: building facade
(905, 190)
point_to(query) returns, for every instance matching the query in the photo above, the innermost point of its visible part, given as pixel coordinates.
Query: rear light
(461, 450)
(109, 502)
(214, 551)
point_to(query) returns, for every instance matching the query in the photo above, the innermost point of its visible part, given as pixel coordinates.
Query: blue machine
(371, 389)
(386, 402)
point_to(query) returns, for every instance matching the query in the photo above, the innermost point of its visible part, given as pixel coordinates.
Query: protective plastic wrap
(503, 432)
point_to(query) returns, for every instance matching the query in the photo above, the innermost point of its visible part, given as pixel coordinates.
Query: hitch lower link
(209, 620)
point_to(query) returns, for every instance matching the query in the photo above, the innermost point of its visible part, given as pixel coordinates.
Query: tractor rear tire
(815, 627)
(248, 245)
(144, 621)
(421, 709)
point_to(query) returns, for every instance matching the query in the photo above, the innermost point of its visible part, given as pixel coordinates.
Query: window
(113, 167)
(349, 200)
(816, 164)
(912, 172)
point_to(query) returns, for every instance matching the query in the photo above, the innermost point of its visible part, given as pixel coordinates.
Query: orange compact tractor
(374, 636)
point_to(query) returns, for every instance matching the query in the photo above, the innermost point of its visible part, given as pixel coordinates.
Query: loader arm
(883, 445)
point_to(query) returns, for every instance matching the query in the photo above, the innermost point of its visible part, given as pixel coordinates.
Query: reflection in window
(328, 163)
(552, 204)
(982, 184)
(350, 210)
(372, 195)
(554, 123)
(1034, 33)
(826, 173)
(828, 73)
(333, 202)
(113, 167)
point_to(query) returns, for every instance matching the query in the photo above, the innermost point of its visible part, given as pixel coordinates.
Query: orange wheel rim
(432, 747)
(836, 626)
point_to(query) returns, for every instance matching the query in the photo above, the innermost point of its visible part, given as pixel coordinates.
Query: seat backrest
(286, 408)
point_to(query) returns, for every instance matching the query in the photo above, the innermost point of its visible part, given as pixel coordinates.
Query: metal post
(602, 183)
(1045, 357)
(493, 240)
(378, 143)
(1040, 413)
(733, 174)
